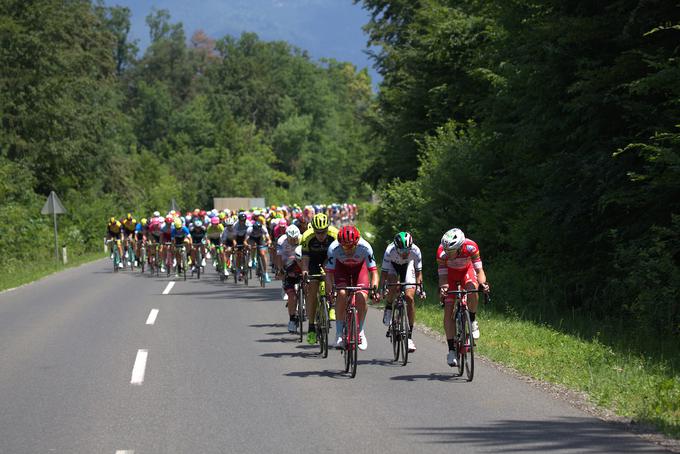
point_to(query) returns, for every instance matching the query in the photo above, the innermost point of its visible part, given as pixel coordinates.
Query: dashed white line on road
(152, 317)
(139, 368)
(127, 451)
(171, 284)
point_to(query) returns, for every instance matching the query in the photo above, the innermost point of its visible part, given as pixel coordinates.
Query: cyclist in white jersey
(402, 262)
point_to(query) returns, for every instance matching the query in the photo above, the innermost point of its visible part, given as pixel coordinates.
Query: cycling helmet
(198, 223)
(133, 221)
(214, 221)
(349, 236)
(112, 220)
(257, 225)
(187, 218)
(222, 215)
(242, 216)
(144, 221)
(178, 223)
(168, 219)
(129, 216)
(453, 239)
(320, 222)
(156, 214)
(292, 232)
(403, 241)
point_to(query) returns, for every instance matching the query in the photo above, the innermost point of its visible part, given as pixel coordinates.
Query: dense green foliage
(191, 119)
(548, 131)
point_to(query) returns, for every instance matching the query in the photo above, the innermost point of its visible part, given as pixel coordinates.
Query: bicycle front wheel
(394, 332)
(468, 348)
(353, 342)
(403, 333)
(300, 311)
(322, 326)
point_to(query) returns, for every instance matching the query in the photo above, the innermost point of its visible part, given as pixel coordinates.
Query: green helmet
(403, 241)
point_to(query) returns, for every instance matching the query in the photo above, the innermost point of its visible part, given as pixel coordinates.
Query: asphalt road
(222, 375)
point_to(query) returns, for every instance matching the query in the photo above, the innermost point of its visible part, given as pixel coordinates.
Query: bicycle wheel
(199, 260)
(322, 326)
(260, 272)
(403, 333)
(131, 257)
(394, 331)
(184, 263)
(116, 259)
(468, 348)
(300, 311)
(460, 343)
(345, 335)
(354, 342)
(245, 276)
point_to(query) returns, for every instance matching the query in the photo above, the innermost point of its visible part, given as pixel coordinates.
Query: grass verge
(20, 275)
(631, 384)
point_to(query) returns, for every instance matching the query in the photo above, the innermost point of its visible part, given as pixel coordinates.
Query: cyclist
(350, 262)
(402, 262)
(240, 232)
(129, 226)
(114, 232)
(288, 268)
(315, 243)
(258, 238)
(198, 232)
(180, 235)
(214, 234)
(228, 238)
(459, 261)
(141, 234)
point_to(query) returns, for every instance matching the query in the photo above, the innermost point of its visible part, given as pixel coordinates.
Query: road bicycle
(260, 272)
(399, 325)
(244, 264)
(350, 333)
(182, 250)
(168, 256)
(465, 344)
(129, 253)
(115, 255)
(142, 254)
(321, 320)
(199, 259)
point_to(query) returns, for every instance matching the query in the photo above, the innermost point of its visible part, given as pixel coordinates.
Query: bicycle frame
(351, 330)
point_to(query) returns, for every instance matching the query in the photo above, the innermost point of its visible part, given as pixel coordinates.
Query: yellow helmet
(320, 222)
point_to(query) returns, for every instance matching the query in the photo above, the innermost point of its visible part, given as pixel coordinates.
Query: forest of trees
(546, 129)
(190, 119)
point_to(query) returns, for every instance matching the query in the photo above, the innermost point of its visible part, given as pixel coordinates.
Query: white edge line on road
(152, 317)
(139, 368)
(171, 284)
(125, 451)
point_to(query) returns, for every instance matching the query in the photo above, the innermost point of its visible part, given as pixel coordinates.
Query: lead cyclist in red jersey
(459, 261)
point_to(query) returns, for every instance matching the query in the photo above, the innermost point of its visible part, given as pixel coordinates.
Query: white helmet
(453, 239)
(293, 232)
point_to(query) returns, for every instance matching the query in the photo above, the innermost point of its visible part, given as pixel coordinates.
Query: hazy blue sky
(326, 28)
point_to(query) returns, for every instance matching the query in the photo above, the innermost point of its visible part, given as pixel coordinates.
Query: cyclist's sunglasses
(321, 232)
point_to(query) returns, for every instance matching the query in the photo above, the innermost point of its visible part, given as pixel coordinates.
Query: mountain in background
(325, 28)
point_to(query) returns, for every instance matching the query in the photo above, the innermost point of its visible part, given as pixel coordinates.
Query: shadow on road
(429, 377)
(290, 355)
(569, 433)
(320, 373)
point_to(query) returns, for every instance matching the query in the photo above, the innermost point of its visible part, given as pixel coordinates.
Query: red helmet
(202, 213)
(349, 236)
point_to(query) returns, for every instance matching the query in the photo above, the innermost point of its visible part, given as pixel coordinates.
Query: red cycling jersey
(461, 267)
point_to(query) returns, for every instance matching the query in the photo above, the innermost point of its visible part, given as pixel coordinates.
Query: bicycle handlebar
(487, 296)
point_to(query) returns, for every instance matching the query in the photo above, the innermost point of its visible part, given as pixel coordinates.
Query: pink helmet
(214, 221)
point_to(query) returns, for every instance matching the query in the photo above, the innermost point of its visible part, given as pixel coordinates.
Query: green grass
(642, 387)
(34, 270)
